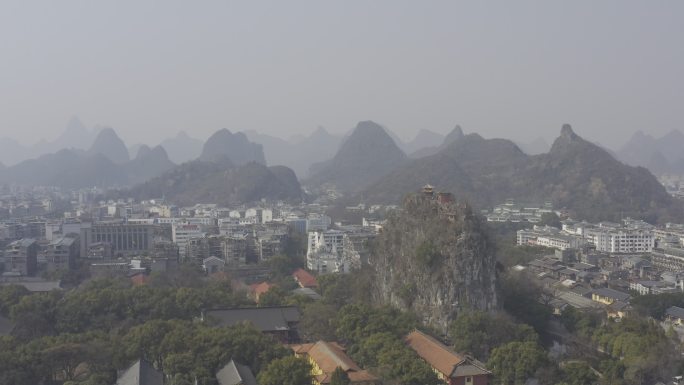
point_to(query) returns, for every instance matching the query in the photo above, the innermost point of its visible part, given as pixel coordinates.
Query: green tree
(35, 315)
(317, 322)
(522, 297)
(551, 219)
(10, 295)
(515, 362)
(339, 377)
(479, 332)
(275, 296)
(579, 373)
(286, 371)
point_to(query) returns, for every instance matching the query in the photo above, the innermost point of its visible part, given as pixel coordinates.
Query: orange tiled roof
(329, 356)
(434, 352)
(304, 278)
(260, 288)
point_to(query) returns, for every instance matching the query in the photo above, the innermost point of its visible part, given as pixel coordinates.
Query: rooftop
(440, 357)
(235, 374)
(141, 373)
(675, 312)
(610, 293)
(265, 319)
(304, 278)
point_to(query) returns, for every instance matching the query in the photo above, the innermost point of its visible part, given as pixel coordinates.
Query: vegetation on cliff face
(436, 260)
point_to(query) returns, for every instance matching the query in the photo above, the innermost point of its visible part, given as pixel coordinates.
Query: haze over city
(505, 69)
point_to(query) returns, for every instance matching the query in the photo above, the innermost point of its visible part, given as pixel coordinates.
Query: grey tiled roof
(235, 374)
(610, 293)
(675, 312)
(263, 318)
(141, 373)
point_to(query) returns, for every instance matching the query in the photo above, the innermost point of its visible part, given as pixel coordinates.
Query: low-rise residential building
(607, 296)
(550, 237)
(510, 211)
(675, 314)
(652, 287)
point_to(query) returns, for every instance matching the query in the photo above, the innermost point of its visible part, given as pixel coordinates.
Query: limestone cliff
(436, 260)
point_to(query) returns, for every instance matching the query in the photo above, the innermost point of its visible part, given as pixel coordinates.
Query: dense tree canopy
(288, 370)
(515, 362)
(479, 332)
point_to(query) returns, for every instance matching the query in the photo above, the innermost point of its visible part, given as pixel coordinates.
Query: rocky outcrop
(436, 260)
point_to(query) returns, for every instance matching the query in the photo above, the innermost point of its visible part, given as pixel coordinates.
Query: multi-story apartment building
(668, 258)
(21, 257)
(621, 240)
(631, 237)
(182, 233)
(331, 251)
(61, 253)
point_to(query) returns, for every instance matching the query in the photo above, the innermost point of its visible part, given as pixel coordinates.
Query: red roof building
(257, 289)
(305, 279)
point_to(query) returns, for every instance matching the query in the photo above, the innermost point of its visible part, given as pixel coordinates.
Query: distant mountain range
(575, 173)
(224, 145)
(222, 183)
(104, 164)
(535, 147)
(370, 163)
(454, 135)
(366, 155)
(75, 136)
(182, 148)
(663, 155)
(300, 152)
(108, 143)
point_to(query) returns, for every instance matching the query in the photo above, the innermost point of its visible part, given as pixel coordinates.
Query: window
(469, 380)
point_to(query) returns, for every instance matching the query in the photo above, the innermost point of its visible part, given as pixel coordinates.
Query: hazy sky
(515, 69)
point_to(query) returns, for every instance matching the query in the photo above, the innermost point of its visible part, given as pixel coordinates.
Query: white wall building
(181, 233)
(330, 251)
(621, 240)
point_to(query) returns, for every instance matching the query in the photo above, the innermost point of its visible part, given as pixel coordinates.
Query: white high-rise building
(330, 251)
